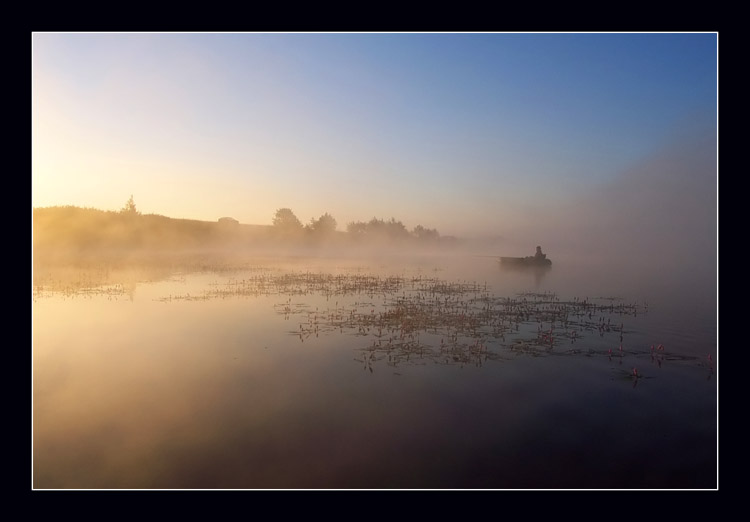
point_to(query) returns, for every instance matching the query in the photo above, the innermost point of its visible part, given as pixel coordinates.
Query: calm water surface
(427, 372)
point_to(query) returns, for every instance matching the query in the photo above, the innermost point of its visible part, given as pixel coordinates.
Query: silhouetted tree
(379, 229)
(356, 228)
(396, 229)
(425, 234)
(285, 222)
(129, 207)
(325, 225)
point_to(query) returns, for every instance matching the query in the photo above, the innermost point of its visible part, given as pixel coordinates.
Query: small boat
(530, 261)
(537, 260)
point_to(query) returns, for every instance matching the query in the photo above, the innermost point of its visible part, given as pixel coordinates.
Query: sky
(473, 134)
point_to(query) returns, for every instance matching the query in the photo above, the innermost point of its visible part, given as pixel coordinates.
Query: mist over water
(351, 366)
(367, 334)
(228, 362)
(275, 373)
(654, 226)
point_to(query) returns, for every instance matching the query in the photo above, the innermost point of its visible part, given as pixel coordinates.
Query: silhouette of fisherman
(539, 256)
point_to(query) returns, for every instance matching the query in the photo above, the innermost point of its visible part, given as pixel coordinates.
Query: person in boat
(539, 256)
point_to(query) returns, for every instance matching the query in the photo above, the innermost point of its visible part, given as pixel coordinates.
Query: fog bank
(656, 221)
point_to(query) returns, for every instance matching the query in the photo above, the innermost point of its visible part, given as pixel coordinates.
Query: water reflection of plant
(420, 319)
(415, 319)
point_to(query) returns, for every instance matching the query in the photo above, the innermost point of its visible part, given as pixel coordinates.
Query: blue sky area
(463, 132)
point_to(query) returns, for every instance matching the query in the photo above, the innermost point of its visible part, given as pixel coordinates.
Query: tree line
(286, 223)
(70, 227)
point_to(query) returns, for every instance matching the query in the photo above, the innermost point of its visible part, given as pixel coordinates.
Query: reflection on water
(537, 271)
(339, 373)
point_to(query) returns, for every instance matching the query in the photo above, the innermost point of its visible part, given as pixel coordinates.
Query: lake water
(422, 372)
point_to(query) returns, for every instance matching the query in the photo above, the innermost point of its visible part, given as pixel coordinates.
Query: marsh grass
(398, 319)
(420, 319)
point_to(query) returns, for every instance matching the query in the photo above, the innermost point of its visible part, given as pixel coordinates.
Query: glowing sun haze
(471, 134)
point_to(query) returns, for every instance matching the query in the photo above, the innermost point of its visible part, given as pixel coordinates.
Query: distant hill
(82, 229)
(74, 230)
